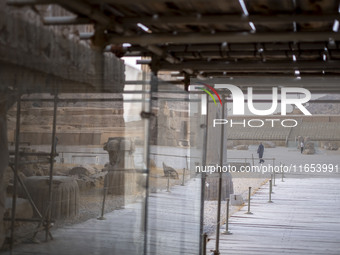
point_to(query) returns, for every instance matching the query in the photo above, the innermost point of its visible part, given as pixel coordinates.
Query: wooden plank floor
(304, 219)
(174, 220)
(173, 229)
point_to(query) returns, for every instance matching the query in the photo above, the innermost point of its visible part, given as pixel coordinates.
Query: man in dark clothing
(260, 151)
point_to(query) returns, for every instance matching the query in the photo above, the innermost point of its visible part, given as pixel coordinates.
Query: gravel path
(241, 186)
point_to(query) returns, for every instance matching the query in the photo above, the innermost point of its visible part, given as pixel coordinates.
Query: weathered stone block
(65, 195)
(241, 147)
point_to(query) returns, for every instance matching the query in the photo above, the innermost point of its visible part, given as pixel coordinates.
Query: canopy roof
(214, 38)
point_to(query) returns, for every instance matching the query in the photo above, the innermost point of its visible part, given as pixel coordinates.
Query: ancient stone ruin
(332, 146)
(65, 195)
(120, 179)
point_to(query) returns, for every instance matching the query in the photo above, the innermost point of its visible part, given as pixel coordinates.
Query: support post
(227, 232)
(187, 168)
(218, 221)
(153, 88)
(16, 164)
(183, 177)
(249, 194)
(272, 178)
(204, 246)
(52, 155)
(104, 199)
(203, 179)
(270, 192)
(168, 184)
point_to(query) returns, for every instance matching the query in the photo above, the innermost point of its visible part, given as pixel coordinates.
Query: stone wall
(171, 126)
(37, 58)
(75, 125)
(26, 46)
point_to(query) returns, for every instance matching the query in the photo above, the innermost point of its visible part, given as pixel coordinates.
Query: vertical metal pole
(16, 163)
(203, 178)
(205, 238)
(183, 177)
(271, 178)
(104, 199)
(168, 184)
(218, 221)
(274, 177)
(227, 232)
(153, 87)
(282, 175)
(52, 155)
(249, 194)
(270, 192)
(187, 168)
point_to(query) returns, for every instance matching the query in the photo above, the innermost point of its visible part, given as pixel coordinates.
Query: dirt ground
(241, 187)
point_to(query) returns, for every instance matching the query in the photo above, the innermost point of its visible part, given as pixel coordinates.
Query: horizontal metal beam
(145, 2)
(316, 84)
(331, 101)
(232, 37)
(236, 54)
(86, 35)
(29, 2)
(245, 66)
(144, 62)
(248, 47)
(66, 20)
(142, 82)
(270, 91)
(223, 74)
(248, 54)
(228, 19)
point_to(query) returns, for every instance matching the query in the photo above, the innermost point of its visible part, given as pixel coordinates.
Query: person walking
(302, 145)
(260, 151)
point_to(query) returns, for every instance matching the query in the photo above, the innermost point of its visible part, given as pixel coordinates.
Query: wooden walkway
(304, 218)
(173, 229)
